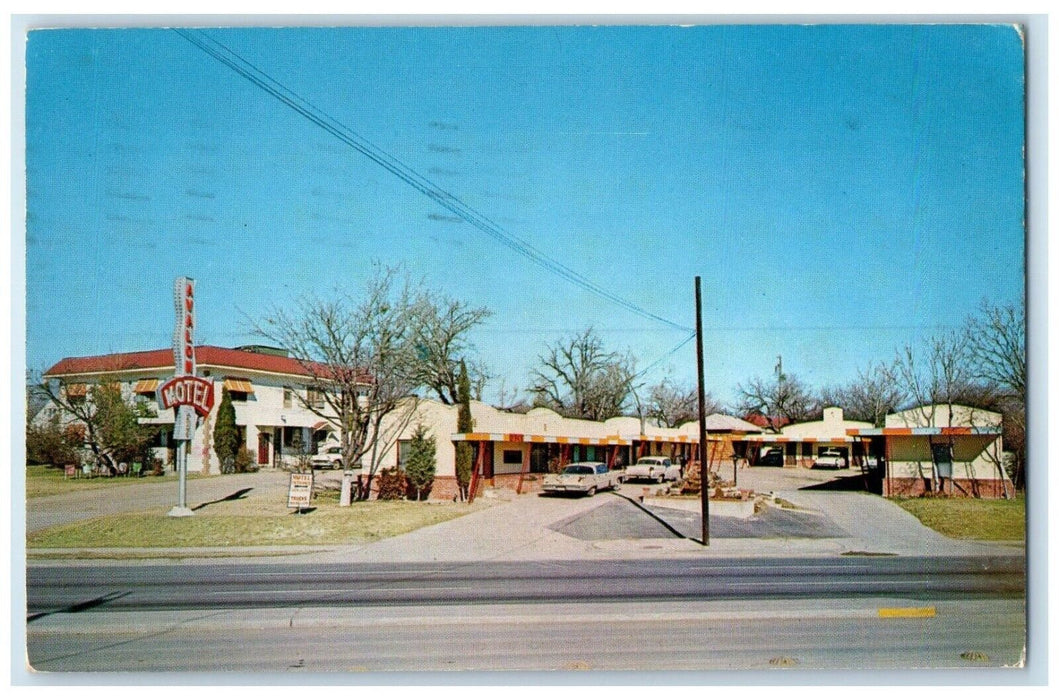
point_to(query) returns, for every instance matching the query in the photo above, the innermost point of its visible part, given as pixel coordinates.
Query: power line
(440, 196)
(664, 357)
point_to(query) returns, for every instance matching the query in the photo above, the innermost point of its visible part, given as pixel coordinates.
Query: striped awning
(238, 384)
(555, 439)
(570, 440)
(790, 438)
(77, 390)
(955, 430)
(677, 439)
(145, 386)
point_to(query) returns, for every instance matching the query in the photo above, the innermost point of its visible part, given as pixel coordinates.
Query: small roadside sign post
(300, 491)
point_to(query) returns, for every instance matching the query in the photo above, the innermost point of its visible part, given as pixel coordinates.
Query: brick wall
(977, 488)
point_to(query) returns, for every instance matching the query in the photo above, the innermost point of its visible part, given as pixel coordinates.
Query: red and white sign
(188, 391)
(184, 333)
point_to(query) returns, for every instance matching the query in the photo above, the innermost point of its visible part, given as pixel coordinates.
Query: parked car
(657, 469)
(829, 459)
(327, 457)
(582, 477)
(771, 457)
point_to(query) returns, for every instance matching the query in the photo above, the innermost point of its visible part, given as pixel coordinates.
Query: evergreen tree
(464, 424)
(225, 433)
(422, 462)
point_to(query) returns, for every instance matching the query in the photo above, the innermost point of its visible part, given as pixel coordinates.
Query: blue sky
(841, 190)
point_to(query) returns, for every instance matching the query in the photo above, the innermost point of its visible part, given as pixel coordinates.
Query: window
(512, 456)
(403, 448)
(288, 398)
(315, 397)
(294, 439)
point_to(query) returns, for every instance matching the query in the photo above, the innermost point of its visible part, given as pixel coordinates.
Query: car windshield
(578, 469)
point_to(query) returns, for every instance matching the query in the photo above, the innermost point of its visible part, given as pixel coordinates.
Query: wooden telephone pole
(703, 461)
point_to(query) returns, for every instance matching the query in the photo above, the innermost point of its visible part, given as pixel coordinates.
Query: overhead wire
(407, 174)
(664, 357)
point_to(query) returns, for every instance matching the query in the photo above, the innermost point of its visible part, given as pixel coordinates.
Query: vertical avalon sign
(185, 393)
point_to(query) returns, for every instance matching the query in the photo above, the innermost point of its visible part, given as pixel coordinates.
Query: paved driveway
(144, 494)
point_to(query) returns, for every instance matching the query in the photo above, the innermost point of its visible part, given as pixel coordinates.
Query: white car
(327, 457)
(657, 469)
(582, 477)
(829, 459)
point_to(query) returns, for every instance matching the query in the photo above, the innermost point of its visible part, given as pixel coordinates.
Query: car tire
(591, 491)
(660, 478)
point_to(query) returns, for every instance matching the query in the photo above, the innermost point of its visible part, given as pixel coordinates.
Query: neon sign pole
(185, 393)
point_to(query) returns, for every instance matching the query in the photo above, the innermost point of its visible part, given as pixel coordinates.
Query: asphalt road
(88, 589)
(852, 634)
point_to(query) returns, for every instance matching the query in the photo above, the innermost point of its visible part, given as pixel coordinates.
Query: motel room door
(264, 443)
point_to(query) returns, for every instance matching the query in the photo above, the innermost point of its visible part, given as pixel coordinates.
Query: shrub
(244, 461)
(225, 432)
(51, 443)
(392, 484)
(421, 464)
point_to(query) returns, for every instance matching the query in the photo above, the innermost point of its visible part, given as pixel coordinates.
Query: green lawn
(243, 524)
(49, 481)
(971, 518)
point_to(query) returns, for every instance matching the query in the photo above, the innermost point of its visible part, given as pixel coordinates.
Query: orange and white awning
(145, 386)
(554, 439)
(789, 438)
(237, 384)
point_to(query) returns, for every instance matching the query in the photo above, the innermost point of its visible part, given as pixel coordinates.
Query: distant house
(955, 450)
(273, 423)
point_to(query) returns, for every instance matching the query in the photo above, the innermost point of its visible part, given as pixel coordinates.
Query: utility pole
(703, 461)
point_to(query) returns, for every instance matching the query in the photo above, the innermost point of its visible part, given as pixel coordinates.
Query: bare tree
(441, 342)
(939, 375)
(671, 405)
(782, 399)
(579, 378)
(996, 345)
(873, 394)
(360, 356)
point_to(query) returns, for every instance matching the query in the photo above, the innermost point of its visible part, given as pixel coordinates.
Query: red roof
(764, 421)
(163, 361)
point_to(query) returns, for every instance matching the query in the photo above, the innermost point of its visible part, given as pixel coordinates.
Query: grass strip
(326, 525)
(44, 481)
(971, 518)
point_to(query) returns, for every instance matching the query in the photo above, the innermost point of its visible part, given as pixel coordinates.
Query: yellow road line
(907, 612)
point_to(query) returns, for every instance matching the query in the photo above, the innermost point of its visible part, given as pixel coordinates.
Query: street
(851, 634)
(849, 612)
(845, 581)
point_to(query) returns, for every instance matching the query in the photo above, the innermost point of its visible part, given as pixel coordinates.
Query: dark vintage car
(771, 457)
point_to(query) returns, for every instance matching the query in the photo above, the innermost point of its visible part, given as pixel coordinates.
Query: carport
(505, 459)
